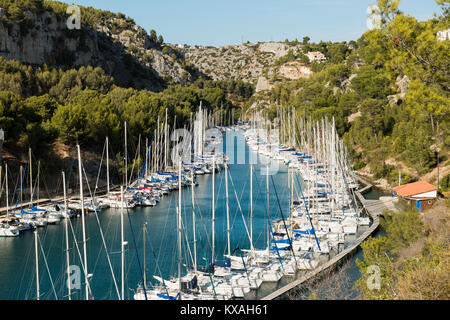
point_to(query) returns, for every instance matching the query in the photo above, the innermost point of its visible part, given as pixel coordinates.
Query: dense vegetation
(388, 91)
(40, 105)
(412, 257)
(15, 12)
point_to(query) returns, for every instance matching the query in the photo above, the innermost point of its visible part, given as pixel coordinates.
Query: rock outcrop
(248, 62)
(128, 55)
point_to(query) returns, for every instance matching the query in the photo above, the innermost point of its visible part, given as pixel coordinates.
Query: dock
(374, 208)
(12, 207)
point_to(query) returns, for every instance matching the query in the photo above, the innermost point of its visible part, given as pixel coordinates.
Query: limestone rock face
(403, 86)
(46, 39)
(248, 62)
(278, 49)
(295, 70)
(263, 85)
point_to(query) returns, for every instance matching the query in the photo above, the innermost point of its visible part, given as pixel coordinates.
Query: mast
(31, 178)
(122, 254)
(194, 222)
(267, 182)
(107, 165)
(179, 228)
(66, 225)
(251, 207)
(146, 157)
(7, 193)
(83, 224)
(36, 252)
(228, 209)
(21, 192)
(156, 168)
(213, 208)
(126, 158)
(144, 233)
(291, 196)
(165, 142)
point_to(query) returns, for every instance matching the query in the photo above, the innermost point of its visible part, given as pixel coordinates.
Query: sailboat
(172, 289)
(7, 230)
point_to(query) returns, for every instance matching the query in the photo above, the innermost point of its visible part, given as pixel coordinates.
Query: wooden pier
(374, 208)
(99, 192)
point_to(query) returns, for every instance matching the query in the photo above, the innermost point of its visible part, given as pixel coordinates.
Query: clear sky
(217, 23)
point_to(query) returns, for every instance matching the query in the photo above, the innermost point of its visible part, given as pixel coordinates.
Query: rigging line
(70, 173)
(239, 205)
(307, 211)
(243, 262)
(17, 183)
(46, 266)
(94, 267)
(157, 264)
(188, 248)
(135, 246)
(343, 175)
(147, 158)
(270, 225)
(99, 169)
(35, 187)
(25, 271)
(166, 222)
(134, 162)
(79, 255)
(282, 216)
(198, 214)
(202, 244)
(2, 184)
(234, 217)
(102, 236)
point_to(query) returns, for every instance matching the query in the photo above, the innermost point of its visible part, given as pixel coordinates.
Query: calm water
(17, 258)
(350, 271)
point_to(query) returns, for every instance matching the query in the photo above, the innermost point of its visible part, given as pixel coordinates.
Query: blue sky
(217, 23)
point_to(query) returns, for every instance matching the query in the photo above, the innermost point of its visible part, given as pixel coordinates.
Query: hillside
(388, 91)
(247, 62)
(36, 33)
(412, 254)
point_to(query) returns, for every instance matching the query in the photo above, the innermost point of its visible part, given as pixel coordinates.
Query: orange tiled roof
(414, 188)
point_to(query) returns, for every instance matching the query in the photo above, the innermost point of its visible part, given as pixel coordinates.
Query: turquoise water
(17, 257)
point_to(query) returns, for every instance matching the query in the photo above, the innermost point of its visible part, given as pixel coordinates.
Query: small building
(316, 56)
(443, 35)
(420, 194)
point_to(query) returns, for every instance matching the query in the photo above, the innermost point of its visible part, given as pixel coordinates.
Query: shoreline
(339, 258)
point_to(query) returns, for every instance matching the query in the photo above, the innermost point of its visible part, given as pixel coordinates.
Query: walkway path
(374, 208)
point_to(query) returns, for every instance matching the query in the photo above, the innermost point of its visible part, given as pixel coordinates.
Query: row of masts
(157, 158)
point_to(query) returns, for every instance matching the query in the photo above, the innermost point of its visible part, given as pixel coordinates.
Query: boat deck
(374, 208)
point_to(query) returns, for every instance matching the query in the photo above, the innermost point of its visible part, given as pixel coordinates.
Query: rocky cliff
(132, 56)
(121, 48)
(255, 63)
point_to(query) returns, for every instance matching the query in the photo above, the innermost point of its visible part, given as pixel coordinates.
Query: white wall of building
(431, 194)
